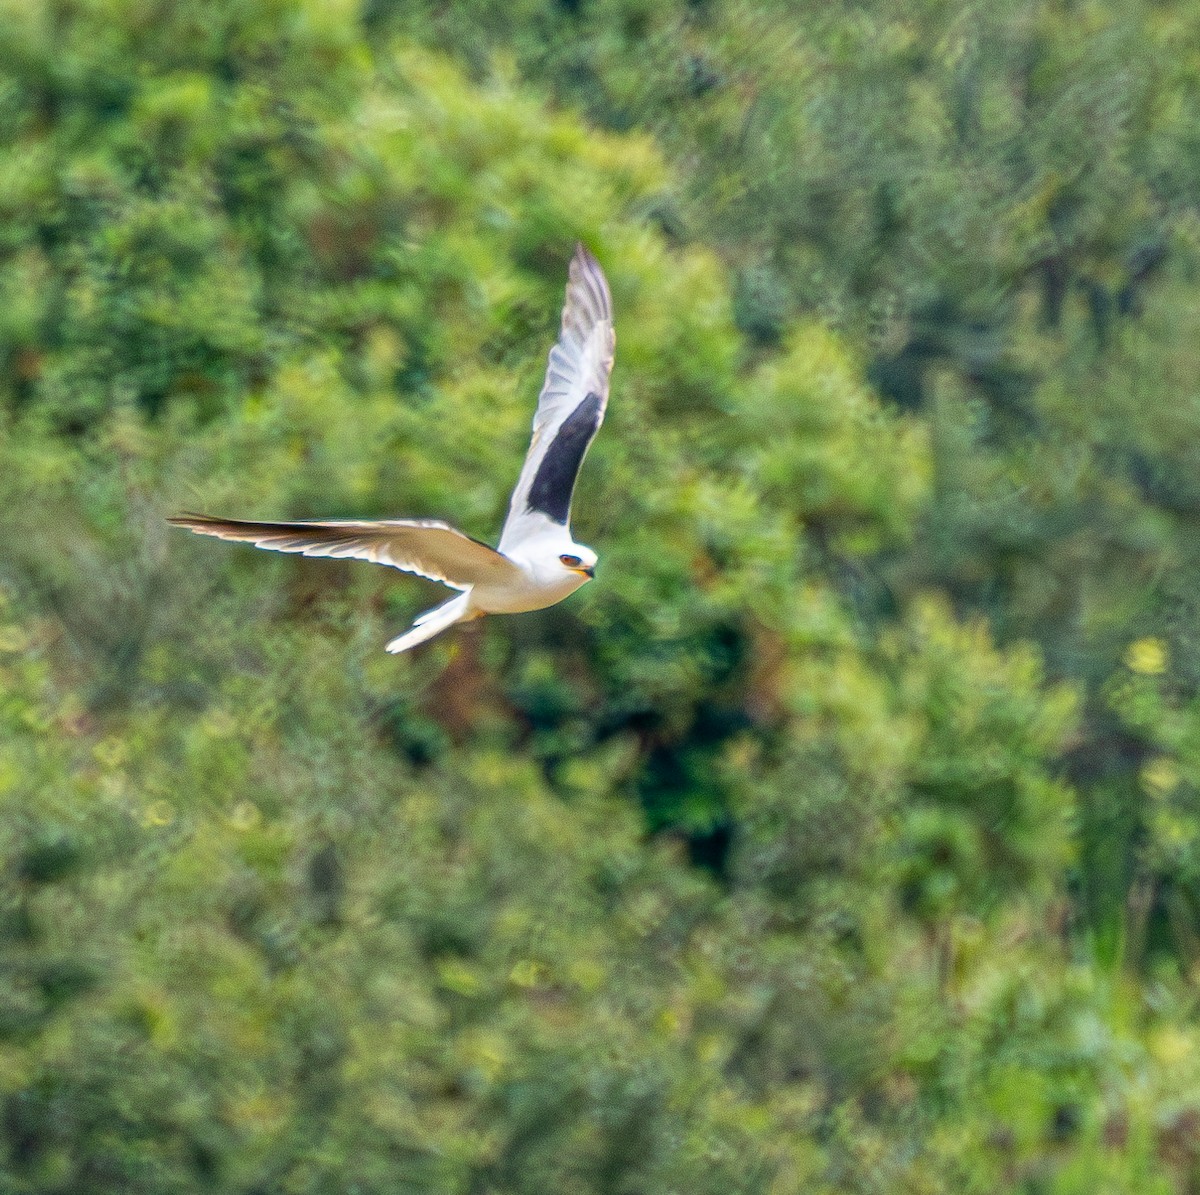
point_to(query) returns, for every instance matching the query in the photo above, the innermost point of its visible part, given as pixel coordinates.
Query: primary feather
(570, 407)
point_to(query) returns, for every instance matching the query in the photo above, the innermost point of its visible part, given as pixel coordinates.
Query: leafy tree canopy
(842, 837)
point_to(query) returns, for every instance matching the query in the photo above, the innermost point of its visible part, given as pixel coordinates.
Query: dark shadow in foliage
(326, 884)
(761, 305)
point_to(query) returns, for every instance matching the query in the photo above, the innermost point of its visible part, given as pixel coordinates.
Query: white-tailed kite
(537, 563)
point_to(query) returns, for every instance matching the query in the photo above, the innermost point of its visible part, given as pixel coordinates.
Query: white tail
(432, 622)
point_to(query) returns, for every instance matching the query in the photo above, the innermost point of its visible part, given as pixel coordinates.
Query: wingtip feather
(186, 518)
(587, 287)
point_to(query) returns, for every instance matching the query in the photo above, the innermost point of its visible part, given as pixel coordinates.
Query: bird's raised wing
(425, 547)
(571, 406)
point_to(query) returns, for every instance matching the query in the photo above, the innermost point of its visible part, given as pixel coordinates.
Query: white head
(554, 559)
(559, 564)
(578, 561)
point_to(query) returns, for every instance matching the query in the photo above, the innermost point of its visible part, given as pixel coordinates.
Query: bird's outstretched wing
(425, 547)
(571, 406)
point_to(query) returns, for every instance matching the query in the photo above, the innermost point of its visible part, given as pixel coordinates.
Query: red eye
(571, 561)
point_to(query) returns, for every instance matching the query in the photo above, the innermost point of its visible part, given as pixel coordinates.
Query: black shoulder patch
(554, 481)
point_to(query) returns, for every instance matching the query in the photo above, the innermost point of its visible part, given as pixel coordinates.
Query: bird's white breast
(535, 590)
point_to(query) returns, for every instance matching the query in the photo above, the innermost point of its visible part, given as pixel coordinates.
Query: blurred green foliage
(843, 837)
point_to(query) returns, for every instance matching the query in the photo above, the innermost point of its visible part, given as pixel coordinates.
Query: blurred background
(844, 836)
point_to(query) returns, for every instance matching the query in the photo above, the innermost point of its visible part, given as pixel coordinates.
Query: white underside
(529, 592)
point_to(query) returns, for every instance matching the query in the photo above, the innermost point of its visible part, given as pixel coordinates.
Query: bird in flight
(536, 563)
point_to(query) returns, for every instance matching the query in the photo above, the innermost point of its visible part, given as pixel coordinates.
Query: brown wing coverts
(428, 548)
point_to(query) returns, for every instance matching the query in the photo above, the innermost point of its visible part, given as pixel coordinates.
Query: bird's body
(543, 581)
(537, 562)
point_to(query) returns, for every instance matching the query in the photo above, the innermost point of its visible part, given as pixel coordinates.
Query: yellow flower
(13, 638)
(158, 813)
(458, 977)
(527, 973)
(669, 1021)
(111, 752)
(1171, 1044)
(1159, 776)
(1147, 656)
(245, 815)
